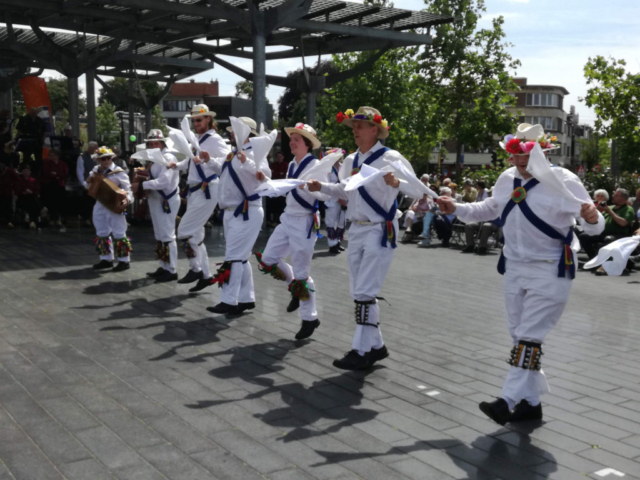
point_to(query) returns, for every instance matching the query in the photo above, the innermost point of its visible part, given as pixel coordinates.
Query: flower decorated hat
(306, 131)
(201, 110)
(526, 138)
(155, 135)
(366, 114)
(104, 152)
(335, 150)
(249, 122)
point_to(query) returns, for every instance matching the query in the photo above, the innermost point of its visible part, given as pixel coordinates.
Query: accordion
(140, 175)
(107, 193)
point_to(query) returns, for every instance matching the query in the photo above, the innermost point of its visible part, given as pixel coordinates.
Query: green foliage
(121, 87)
(59, 96)
(595, 180)
(488, 174)
(468, 71)
(157, 120)
(244, 89)
(614, 94)
(107, 124)
(595, 151)
(292, 102)
(61, 121)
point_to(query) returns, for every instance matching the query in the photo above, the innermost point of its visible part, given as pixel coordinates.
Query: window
(548, 123)
(542, 100)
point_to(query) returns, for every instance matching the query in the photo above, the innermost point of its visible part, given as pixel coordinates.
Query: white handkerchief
(151, 155)
(189, 135)
(261, 147)
(322, 168)
(540, 168)
(180, 143)
(614, 257)
(277, 188)
(407, 175)
(365, 176)
(240, 131)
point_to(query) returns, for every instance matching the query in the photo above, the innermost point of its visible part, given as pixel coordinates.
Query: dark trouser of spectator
(6, 210)
(86, 206)
(443, 229)
(53, 197)
(32, 153)
(275, 208)
(31, 205)
(590, 242)
(486, 229)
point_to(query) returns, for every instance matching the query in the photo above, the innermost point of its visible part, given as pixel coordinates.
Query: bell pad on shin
(362, 312)
(526, 355)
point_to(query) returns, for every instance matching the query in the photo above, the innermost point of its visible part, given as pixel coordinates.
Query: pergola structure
(167, 40)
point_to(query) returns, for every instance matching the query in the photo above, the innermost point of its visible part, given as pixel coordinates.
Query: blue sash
(165, 203)
(244, 206)
(566, 265)
(204, 184)
(313, 208)
(389, 230)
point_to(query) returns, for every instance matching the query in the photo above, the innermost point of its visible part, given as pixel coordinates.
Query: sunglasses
(198, 120)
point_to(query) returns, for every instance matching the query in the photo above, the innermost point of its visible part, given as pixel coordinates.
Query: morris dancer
(374, 215)
(538, 226)
(164, 201)
(297, 233)
(202, 186)
(243, 214)
(108, 223)
(335, 211)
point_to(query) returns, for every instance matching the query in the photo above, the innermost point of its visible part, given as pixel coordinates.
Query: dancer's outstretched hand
(447, 205)
(589, 212)
(314, 185)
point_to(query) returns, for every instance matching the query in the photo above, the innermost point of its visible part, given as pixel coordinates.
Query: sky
(553, 39)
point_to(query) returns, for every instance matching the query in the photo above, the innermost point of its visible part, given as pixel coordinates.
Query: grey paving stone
(174, 464)
(250, 451)
(69, 413)
(225, 465)
(86, 469)
(108, 448)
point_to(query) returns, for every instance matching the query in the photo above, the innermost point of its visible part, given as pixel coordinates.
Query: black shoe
(201, 285)
(166, 276)
(468, 249)
(335, 250)
(242, 306)
(352, 360)
(482, 251)
(191, 277)
(340, 247)
(377, 354)
(524, 411)
(445, 243)
(157, 273)
(121, 266)
(222, 308)
(103, 264)
(498, 411)
(307, 328)
(294, 304)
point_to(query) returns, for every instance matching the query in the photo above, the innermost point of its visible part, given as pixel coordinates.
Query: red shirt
(55, 173)
(8, 181)
(279, 170)
(29, 184)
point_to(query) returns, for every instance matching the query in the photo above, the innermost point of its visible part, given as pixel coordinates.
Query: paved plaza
(108, 375)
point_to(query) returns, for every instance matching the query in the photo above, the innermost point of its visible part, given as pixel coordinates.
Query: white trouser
(535, 298)
(369, 263)
(109, 223)
(164, 225)
(334, 218)
(191, 226)
(290, 237)
(240, 236)
(413, 216)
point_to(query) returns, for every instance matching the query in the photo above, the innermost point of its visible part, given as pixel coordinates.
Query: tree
(61, 121)
(59, 96)
(244, 89)
(614, 94)
(157, 120)
(107, 124)
(595, 151)
(469, 72)
(393, 86)
(121, 88)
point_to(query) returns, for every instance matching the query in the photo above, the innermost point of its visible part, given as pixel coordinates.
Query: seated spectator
(483, 194)
(456, 196)
(486, 230)
(441, 223)
(8, 180)
(9, 156)
(600, 197)
(618, 222)
(416, 212)
(636, 202)
(28, 191)
(54, 177)
(469, 194)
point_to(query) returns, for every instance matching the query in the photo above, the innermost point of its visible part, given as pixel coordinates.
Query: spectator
(84, 165)
(486, 229)
(618, 222)
(416, 212)
(8, 180)
(456, 196)
(469, 194)
(31, 132)
(636, 202)
(9, 157)
(441, 223)
(483, 194)
(28, 191)
(600, 197)
(54, 178)
(276, 205)
(119, 160)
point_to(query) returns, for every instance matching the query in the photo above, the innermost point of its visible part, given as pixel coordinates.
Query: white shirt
(162, 178)
(383, 194)
(215, 146)
(119, 178)
(523, 241)
(229, 195)
(333, 178)
(293, 207)
(482, 196)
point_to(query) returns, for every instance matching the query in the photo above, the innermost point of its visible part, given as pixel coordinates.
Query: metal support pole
(74, 114)
(6, 102)
(311, 108)
(132, 127)
(147, 119)
(259, 76)
(90, 86)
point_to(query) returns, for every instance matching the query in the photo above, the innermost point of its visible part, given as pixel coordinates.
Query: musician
(164, 201)
(202, 188)
(108, 223)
